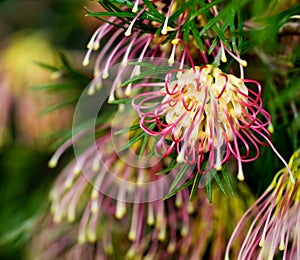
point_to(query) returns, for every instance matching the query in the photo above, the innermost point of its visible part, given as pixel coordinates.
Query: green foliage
(229, 19)
(24, 184)
(249, 28)
(266, 33)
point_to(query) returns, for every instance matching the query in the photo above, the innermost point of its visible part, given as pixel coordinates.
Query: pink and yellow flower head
(273, 221)
(154, 228)
(206, 114)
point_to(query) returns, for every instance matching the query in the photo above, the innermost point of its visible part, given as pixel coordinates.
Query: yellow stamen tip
(94, 194)
(128, 92)
(96, 46)
(241, 176)
(105, 75)
(81, 239)
(130, 253)
(68, 183)
(150, 221)
(109, 250)
(94, 208)
(131, 236)
(127, 33)
(190, 208)
(89, 45)
(85, 62)
(52, 163)
(164, 31)
(162, 236)
(55, 75)
(175, 41)
(171, 247)
(92, 236)
(171, 61)
(261, 243)
(76, 170)
(218, 167)
(91, 91)
(224, 59)
(244, 63)
(179, 159)
(271, 128)
(111, 99)
(120, 210)
(57, 219)
(71, 216)
(184, 231)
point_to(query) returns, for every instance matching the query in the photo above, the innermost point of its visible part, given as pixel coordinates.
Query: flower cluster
(201, 116)
(206, 112)
(155, 228)
(274, 219)
(139, 39)
(205, 115)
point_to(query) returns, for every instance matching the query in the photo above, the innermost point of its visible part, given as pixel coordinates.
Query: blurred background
(41, 50)
(33, 33)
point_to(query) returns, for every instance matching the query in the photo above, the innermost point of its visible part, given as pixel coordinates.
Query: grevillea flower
(212, 231)
(209, 227)
(273, 221)
(59, 241)
(138, 38)
(131, 44)
(205, 114)
(155, 228)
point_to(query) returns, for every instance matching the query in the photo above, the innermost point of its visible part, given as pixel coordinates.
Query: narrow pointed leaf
(197, 36)
(179, 176)
(195, 185)
(220, 184)
(228, 183)
(182, 187)
(209, 191)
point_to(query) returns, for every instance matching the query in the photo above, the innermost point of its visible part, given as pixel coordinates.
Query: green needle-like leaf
(196, 35)
(240, 30)
(145, 74)
(205, 8)
(115, 14)
(179, 176)
(169, 168)
(120, 101)
(182, 187)
(232, 30)
(179, 11)
(195, 185)
(58, 106)
(54, 86)
(132, 141)
(128, 129)
(143, 145)
(186, 31)
(209, 191)
(220, 184)
(153, 10)
(227, 182)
